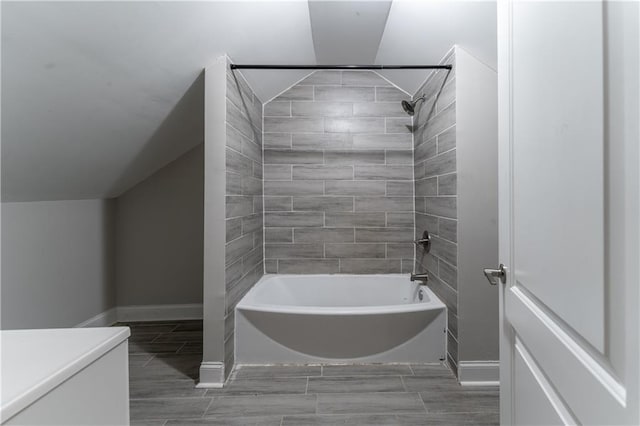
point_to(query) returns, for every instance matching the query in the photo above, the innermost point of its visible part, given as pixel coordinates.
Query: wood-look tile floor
(164, 358)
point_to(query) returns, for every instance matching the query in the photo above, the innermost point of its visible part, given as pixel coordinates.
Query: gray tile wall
(435, 191)
(244, 218)
(338, 177)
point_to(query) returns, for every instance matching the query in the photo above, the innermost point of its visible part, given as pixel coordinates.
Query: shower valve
(425, 241)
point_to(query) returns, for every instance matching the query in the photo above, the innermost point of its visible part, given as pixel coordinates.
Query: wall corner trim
(479, 373)
(211, 375)
(103, 319)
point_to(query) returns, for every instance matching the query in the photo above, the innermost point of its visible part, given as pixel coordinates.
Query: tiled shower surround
(338, 177)
(244, 219)
(436, 189)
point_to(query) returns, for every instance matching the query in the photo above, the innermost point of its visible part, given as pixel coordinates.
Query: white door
(569, 219)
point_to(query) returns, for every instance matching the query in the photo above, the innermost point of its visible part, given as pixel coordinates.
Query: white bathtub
(339, 318)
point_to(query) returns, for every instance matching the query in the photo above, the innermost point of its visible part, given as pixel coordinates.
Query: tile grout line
(404, 385)
(178, 350)
(423, 404)
(204, 413)
(149, 360)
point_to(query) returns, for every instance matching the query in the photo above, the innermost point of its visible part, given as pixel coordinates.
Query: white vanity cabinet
(75, 376)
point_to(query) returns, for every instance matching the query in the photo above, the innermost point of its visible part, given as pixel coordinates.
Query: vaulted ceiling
(96, 96)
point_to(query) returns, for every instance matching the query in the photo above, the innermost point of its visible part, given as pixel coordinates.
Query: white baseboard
(144, 313)
(160, 312)
(479, 373)
(211, 375)
(104, 319)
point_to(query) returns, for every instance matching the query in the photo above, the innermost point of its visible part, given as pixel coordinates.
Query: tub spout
(420, 277)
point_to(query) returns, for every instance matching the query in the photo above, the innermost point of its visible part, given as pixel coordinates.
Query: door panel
(569, 212)
(541, 406)
(558, 160)
(586, 386)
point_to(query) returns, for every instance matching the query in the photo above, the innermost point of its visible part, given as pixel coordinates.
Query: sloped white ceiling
(96, 96)
(93, 93)
(347, 32)
(422, 32)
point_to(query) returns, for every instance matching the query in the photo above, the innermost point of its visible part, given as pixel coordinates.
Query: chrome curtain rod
(340, 67)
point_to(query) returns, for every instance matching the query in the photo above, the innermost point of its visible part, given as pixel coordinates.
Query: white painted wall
(477, 156)
(421, 32)
(159, 245)
(57, 262)
(65, 262)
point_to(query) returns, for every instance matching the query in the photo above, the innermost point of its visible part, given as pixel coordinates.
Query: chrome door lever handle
(493, 275)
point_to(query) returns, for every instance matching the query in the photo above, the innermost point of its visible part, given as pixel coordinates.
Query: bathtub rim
(433, 303)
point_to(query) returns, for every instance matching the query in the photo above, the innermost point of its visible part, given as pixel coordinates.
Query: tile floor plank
(422, 383)
(191, 348)
(227, 421)
(355, 384)
(143, 337)
(274, 385)
(462, 400)
(361, 403)
(177, 388)
(431, 370)
(367, 370)
(245, 371)
(356, 420)
(164, 408)
(262, 405)
(164, 367)
(139, 359)
(154, 348)
(179, 336)
(463, 419)
(194, 325)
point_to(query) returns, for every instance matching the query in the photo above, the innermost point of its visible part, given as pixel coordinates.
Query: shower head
(410, 106)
